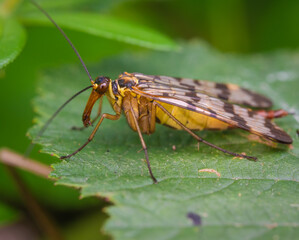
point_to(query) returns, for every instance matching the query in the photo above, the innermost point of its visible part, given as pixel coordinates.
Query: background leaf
(257, 200)
(91, 5)
(7, 214)
(12, 40)
(107, 27)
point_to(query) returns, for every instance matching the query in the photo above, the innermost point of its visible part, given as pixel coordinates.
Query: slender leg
(93, 120)
(143, 146)
(105, 115)
(199, 139)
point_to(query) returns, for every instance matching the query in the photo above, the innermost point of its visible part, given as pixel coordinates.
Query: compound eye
(103, 86)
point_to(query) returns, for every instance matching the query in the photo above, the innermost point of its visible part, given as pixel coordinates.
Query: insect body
(180, 103)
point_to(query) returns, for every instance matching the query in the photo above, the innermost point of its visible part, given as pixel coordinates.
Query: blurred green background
(235, 26)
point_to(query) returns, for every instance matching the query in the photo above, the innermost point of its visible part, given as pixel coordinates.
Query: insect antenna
(40, 133)
(65, 36)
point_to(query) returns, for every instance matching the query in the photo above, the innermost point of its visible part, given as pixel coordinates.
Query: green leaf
(12, 40)
(92, 5)
(55, 4)
(107, 27)
(251, 200)
(87, 227)
(7, 214)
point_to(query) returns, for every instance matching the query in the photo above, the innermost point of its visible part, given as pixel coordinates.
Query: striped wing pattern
(228, 92)
(188, 94)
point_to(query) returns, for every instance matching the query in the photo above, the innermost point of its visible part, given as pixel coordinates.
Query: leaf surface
(107, 27)
(12, 40)
(7, 215)
(252, 200)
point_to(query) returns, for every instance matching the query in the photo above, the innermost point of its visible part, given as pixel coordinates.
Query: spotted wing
(228, 92)
(210, 106)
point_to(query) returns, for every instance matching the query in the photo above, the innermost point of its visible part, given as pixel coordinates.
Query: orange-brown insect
(180, 103)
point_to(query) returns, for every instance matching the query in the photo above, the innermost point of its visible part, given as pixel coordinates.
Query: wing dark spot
(223, 96)
(212, 111)
(258, 100)
(246, 103)
(228, 108)
(188, 86)
(225, 92)
(250, 113)
(240, 121)
(221, 86)
(191, 94)
(196, 82)
(190, 102)
(156, 78)
(278, 134)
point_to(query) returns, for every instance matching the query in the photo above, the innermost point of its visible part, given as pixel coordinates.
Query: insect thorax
(123, 99)
(125, 82)
(118, 88)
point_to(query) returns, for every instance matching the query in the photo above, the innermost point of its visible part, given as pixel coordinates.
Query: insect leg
(105, 115)
(93, 120)
(199, 139)
(143, 145)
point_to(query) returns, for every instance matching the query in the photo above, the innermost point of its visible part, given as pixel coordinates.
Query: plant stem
(14, 159)
(40, 216)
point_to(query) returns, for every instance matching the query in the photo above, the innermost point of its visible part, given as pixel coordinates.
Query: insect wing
(228, 92)
(158, 88)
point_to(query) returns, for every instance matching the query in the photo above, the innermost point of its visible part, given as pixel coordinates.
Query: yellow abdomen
(192, 120)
